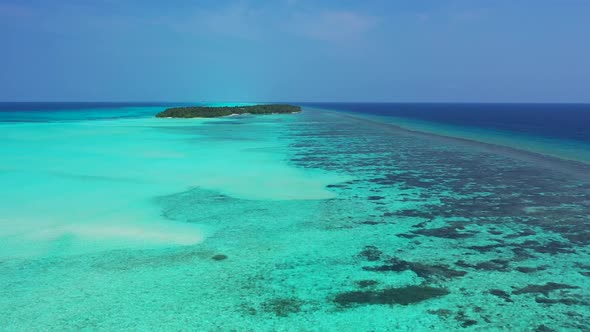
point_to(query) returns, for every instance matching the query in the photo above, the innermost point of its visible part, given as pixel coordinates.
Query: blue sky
(295, 50)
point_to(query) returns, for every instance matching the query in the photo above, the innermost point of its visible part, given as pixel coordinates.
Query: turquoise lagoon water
(311, 222)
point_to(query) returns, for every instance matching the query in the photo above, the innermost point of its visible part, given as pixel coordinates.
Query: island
(214, 112)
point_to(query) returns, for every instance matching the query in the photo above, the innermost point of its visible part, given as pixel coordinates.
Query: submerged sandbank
(89, 186)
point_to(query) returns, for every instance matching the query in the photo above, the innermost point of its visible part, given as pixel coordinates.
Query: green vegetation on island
(214, 112)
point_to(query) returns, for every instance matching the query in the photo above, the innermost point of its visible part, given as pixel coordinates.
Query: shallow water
(313, 222)
(558, 130)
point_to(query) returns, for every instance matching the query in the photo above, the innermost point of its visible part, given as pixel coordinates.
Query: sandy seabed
(308, 222)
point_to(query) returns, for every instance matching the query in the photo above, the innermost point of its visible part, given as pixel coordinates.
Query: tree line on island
(213, 112)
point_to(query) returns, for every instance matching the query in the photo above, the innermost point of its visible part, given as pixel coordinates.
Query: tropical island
(214, 112)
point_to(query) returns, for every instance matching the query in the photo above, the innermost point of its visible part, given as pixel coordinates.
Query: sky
(295, 50)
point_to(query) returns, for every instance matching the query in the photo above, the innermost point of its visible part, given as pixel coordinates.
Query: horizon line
(305, 102)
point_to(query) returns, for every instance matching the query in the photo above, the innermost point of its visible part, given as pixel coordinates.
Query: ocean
(345, 217)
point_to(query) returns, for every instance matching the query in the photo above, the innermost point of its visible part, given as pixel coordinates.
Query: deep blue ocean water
(562, 121)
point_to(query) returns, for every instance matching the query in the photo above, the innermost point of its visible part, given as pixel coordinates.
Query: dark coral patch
(526, 269)
(544, 328)
(566, 301)
(500, 265)
(487, 248)
(543, 289)
(247, 309)
(367, 283)
(468, 322)
(426, 271)
(407, 236)
(464, 320)
(495, 232)
(501, 294)
(371, 253)
(282, 307)
(453, 231)
(521, 254)
(404, 296)
(420, 225)
(551, 247)
(412, 213)
(520, 249)
(441, 312)
(372, 223)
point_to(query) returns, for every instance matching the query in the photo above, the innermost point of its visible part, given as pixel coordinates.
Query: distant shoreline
(215, 112)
